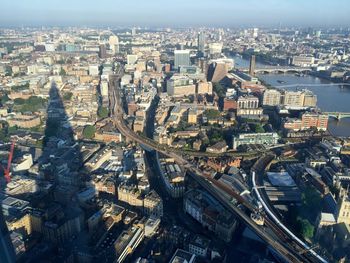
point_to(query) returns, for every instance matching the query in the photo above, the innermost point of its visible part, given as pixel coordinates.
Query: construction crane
(9, 161)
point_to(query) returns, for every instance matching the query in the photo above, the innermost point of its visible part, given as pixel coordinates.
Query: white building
(215, 48)
(93, 70)
(24, 164)
(132, 59)
(151, 226)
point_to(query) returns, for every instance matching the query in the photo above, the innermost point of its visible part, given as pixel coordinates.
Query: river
(330, 96)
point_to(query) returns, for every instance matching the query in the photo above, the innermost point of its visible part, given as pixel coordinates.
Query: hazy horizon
(180, 13)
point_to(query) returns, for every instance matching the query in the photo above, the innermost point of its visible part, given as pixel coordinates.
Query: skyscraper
(255, 32)
(201, 43)
(133, 31)
(252, 65)
(102, 53)
(181, 58)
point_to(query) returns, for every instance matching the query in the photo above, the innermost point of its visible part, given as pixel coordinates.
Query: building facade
(255, 138)
(181, 58)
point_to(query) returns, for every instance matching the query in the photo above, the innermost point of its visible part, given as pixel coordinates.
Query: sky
(175, 13)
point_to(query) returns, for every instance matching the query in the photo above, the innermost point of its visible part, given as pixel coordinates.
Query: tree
(20, 87)
(67, 96)
(19, 101)
(33, 103)
(258, 128)
(212, 114)
(102, 112)
(311, 202)
(3, 131)
(305, 227)
(62, 72)
(89, 131)
(219, 89)
(4, 98)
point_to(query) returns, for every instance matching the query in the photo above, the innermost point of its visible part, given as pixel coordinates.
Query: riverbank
(331, 97)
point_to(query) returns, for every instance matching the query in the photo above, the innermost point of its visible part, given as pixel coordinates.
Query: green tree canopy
(20, 87)
(67, 96)
(4, 98)
(62, 72)
(212, 114)
(19, 101)
(33, 103)
(89, 131)
(219, 89)
(258, 128)
(306, 228)
(102, 112)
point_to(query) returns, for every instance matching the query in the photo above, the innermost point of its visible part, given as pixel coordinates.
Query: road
(285, 249)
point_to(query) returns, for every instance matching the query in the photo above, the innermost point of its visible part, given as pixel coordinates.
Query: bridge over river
(338, 115)
(277, 69)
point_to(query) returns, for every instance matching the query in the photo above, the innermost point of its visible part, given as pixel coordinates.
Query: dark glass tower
(7, 253)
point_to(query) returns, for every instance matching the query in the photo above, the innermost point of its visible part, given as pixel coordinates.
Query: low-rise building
(343, 213)
(210, 214)
(255, 138)
(172, 177)
(24, 121)
(180, 86)
(303, 61)
(151, 226)
(219, 147)
(99, 158)
(127, 242)
(272, 97)
(182, 256)
(130, 194)
(199, 246)
(153, 204)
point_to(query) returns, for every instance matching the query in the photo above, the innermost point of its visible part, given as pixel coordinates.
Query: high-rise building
(252, 65)
(201, 43)
(318, 33)
(218, 69)
(181, 58)
(255, 32)
(114, 44)
(113, 40)
(133, 31)
(102, 53)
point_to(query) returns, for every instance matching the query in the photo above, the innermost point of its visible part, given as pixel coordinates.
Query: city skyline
(180, 13)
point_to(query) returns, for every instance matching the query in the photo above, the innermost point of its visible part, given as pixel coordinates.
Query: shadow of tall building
(60, 217)
(61, 161)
